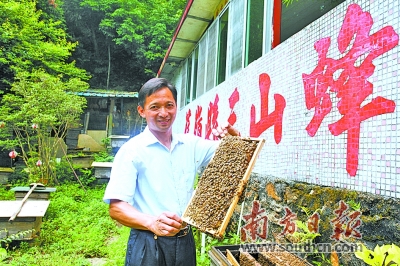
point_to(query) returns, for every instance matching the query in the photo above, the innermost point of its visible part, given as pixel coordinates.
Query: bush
(76, 227)
(103, 156)
(19, 176)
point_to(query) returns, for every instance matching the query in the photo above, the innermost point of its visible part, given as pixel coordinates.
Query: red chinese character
(346, 222)
(252, 228)
(267, 120)
(198, 127)
(313, 223)
(212, 118)
(289, 225)
(348, 78)
(187, 125)
(232, 101)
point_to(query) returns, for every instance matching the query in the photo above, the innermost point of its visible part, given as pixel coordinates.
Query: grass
(77, 228)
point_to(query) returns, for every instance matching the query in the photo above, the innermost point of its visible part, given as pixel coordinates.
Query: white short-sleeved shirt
(154, 179)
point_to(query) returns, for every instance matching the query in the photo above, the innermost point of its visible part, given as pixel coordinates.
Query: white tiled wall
(320, 159)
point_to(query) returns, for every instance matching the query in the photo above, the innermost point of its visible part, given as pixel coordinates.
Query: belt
(184, 231)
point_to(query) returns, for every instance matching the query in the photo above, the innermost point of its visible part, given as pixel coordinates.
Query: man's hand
(225, 130)
(166, 224)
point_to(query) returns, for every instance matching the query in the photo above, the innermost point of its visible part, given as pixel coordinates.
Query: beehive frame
(219, 233)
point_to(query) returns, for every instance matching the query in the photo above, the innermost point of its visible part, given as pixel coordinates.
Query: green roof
(108, 94)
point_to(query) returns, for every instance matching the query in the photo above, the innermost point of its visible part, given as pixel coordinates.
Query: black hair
(152, 86)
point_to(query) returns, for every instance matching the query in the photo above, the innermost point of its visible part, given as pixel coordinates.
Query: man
(152, 181)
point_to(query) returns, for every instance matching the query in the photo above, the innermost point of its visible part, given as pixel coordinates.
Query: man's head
(157, 104)
(153, 85)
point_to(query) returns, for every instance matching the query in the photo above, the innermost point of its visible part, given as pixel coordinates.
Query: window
(236, 29)
(183, 85)
(298, 14)
(211, 56)
(195, 60)
(254, 30)
(201, 73)
(188, 80)
(222, 45)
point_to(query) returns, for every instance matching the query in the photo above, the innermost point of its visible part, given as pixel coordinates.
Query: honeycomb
(220, 184)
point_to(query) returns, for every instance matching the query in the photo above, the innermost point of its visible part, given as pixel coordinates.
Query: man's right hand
(166, 224)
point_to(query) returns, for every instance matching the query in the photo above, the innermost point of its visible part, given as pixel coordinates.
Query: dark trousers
(146, 250)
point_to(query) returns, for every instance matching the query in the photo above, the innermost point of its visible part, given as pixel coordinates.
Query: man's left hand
(225, 130)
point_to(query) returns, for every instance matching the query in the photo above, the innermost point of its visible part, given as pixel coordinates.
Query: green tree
(126, 39)
(39, 110)
(31, 40)
(38, 83)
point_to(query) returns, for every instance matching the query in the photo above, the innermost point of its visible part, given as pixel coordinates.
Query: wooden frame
(29, 218)
(235, 197)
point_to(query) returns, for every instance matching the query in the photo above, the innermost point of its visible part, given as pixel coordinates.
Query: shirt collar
(150, 139)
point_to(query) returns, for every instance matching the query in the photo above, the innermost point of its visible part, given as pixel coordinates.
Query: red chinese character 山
(198, 127)
(288, 221)
(267, 120)
(256, 224)
(212, 117)
(347, 77)
(346, 223)
(187, 124)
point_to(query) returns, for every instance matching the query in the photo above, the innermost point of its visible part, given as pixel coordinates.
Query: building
(318, 80)
(108, 114)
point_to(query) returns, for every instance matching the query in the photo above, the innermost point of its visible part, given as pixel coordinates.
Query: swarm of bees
(282, 258)
(220, 182)
(247, 260)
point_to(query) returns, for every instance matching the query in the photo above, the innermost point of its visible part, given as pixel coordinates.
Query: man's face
(159, 110)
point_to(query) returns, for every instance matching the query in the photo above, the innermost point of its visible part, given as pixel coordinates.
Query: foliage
(86, 176)
(303, 234)
(38, 105)
(203, 258)
(64, 171)
(6, 194)
(114, 33)
(354, 205)
(30, 39)
(288, 2)
(103, 156)
(76, 227)
(107, 155)
(106, 142)
(323, 260)
(3, 254)
(380, 256)
(39, 110)
(68, 173)
(4, 242)
(19, 176)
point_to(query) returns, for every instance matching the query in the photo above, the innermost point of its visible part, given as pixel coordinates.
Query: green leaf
(3, 254)
(365, 255)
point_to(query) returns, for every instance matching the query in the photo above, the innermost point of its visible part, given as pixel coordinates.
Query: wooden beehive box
(5, 172)
(222, 184)
(235, 255)
(102, 171)
(28, 220)
(37, 194)
(117, 141)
